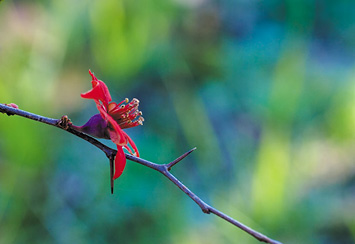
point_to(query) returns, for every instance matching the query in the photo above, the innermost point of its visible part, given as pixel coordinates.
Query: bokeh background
(264, 89)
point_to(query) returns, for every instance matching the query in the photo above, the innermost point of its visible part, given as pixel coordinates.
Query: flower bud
(96, 126)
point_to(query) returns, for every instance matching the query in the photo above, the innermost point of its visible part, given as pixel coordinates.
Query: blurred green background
(264, 89)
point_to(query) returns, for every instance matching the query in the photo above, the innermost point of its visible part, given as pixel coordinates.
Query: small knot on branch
(64, 122)
(206, 210)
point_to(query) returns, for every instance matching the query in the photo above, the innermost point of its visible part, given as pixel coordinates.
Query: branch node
(206, 210)
(64, 122)
(171, 164)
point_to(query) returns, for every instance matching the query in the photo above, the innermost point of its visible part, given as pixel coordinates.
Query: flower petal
(96, 126)
(128, 149)
(120, 162)
(116, 133)
(99, 91)
(130, 141)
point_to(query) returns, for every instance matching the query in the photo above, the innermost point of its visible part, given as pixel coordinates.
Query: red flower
(112, 119)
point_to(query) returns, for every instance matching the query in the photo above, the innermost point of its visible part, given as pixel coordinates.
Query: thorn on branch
(111, 172)
(171, 164)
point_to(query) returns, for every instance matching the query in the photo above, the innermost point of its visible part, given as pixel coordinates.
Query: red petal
(99, 91)
(128, 149)
(120, 162)
(116, 135)
(92, 75)
(130, 141)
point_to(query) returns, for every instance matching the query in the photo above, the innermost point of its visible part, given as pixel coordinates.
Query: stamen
(127, 115)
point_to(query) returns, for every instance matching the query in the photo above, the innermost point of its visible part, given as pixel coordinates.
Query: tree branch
(64, 123)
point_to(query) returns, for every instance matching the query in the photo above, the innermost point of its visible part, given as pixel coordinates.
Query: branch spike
(171, 164)
(111, 173)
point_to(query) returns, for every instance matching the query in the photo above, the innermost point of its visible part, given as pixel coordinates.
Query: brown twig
(64, 123)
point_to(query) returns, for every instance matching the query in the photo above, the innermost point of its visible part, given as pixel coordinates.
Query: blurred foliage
(264, 89)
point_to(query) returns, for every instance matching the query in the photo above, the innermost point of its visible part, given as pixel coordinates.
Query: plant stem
(64, 123)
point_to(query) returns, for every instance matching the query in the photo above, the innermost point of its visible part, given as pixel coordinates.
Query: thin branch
(64, 123)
